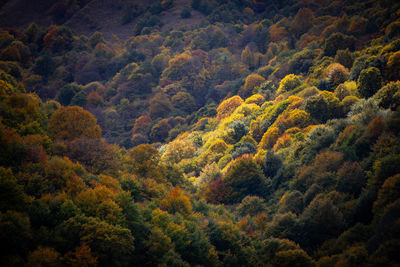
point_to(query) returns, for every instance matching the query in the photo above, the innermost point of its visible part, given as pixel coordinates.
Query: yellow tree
(69, 123)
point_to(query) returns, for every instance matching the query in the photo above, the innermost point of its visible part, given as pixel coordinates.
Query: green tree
(369, 82)
(246, 178)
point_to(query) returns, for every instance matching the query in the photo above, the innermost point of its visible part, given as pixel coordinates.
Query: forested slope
(259, 133)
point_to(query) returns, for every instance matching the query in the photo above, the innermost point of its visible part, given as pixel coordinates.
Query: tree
(81, 256)
(322, 220)
(12, 195)
(69, 123)
(142, 125)
(252, 81)
(324, 106)
(177, 201)
(184, 101)
(338, 41)
(388, 193)
(293, 257)
(160, 106)
(269, 138)
(144, 160)
(15, 235)
(113, 245)
(393, 66)
(251, 205)
(245, 177)
(336, 74)
(369, 82)
(44, 256)
(95, 154)
(248, 57)
(302, 21)
(271, 164)
(389, 96)
(228, 106)
(159, 132)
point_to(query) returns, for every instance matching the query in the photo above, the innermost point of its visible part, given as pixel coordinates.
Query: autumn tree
(184, 101)
(177, 201)
(248, 57)
(143, 161)
(252, 81)
(81, 256)
(160, 106)
(393, 67)
(159, 132)
(251, 205)
(302, 21)
(69, 123)
(228, 106)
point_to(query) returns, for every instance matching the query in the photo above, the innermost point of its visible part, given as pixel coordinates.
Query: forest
(200, 133)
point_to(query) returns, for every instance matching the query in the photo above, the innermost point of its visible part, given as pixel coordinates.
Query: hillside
(200, 133)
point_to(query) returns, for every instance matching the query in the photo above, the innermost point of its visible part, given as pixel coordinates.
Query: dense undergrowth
(266, 135)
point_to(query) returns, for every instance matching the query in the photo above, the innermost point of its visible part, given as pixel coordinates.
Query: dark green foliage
(369, 82)
(271, 164)
(44, 65)
(15, 235)
(239, 130)
(243, 148)
(344, 57)
(246, 178)
(186, 13)
(251, 205)
(323, 107)
(338, 41)
(320, 220)
(301, 61)
(131, 11)
(12, 195)
(113, 244)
